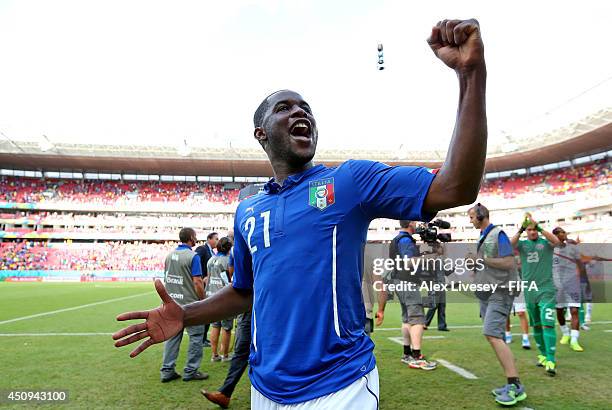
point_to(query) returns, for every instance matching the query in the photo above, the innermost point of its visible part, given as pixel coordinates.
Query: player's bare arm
(199, 286)
(382, 299)
(458, 44)
(170, 318)
(552, 239)
(523, 225)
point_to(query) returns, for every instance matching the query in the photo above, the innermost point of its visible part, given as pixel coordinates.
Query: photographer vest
(489, 249)
(178, 278)
(217, 274)
(402, 274)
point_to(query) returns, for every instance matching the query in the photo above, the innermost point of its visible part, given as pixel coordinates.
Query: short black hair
(224, 245)
(210, 235)
(557, 230)
(404, 223)
(186, 234)
(260, 112)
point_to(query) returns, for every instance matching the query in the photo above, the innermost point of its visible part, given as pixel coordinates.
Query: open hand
(160, 324)
(458, 44)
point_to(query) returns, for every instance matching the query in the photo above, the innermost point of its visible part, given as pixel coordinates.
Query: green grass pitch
(97, 375)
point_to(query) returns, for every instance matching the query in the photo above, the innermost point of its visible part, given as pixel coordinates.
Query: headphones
(481, 214)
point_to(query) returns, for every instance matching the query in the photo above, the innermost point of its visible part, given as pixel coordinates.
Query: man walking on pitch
(566, 261)
(495, 251)
(536, 267)
(183, 277)
(321, 280)
(411, 302)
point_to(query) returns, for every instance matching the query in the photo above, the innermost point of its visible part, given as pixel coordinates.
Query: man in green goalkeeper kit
(536, 264)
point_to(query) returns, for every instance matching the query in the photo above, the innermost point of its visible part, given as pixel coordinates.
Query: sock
(575, 335)
(508, 334)
(416, 353)
(581, 315)
(407, 350)
(525, 336)
(538, 335)
(589, 311)
(565, 330)
(515, 381)
(550, 342)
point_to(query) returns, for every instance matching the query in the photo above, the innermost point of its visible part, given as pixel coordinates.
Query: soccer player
(520, 309)
(299, 244)
(567, 281)
(536, 267)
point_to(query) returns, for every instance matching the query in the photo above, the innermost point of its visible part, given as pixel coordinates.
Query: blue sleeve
(243, 262)
(196, 266)
(230, 261)
(407, 247)
(391, 192)
(504, 247)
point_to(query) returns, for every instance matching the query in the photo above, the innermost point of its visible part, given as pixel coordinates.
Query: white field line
(459, 370)
(600, 322)
(72, 308)
(52, 334)
(608, 331)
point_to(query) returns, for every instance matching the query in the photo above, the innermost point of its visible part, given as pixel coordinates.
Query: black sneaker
(173, 376)
(196, 376)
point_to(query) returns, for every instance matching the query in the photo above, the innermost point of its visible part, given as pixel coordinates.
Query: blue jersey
(299, 247)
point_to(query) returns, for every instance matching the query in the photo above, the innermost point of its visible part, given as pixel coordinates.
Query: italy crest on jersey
(321, 193)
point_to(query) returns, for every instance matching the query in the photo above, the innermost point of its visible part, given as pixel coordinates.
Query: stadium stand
(33, 190)
(53, 232)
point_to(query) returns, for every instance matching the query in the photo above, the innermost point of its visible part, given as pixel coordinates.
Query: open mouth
(300, 129)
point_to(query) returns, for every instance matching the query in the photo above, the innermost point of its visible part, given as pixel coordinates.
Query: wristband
(521, 230)
(538, 228)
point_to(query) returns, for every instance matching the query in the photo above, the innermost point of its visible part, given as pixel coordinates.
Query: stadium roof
(590, 135)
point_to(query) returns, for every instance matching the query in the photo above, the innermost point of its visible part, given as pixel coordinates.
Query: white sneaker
(526, 345)
(215, 358)
(585, 327)
(508, 339)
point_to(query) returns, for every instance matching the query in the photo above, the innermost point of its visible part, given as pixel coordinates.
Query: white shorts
(519, 307)
(362, 394)
(568, 305)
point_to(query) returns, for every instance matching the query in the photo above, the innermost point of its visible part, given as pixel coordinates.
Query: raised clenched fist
(458, 44)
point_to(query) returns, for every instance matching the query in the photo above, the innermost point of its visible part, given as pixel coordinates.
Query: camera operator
(437, 302)
(413, 315)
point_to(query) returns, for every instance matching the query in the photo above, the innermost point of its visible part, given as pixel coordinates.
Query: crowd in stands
(133, 256)
(32, 190)
(45, 221)
(553, 182)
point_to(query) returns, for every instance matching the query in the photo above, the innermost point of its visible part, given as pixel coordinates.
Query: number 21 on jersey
(249, 227)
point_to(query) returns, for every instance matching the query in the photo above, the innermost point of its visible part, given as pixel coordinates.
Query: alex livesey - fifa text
(453, 286)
